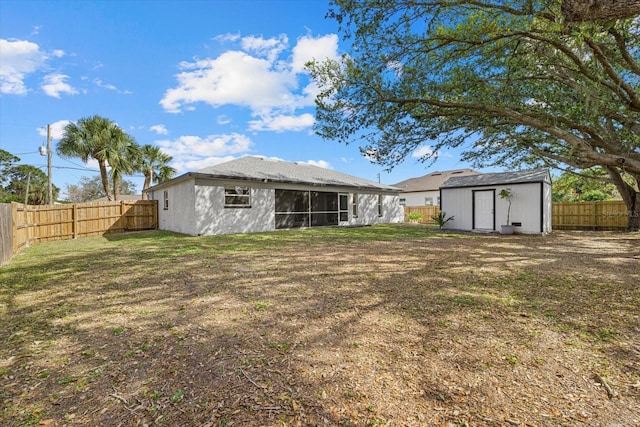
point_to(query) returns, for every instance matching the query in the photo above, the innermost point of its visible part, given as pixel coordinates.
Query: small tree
(441, 219)
(507, 194)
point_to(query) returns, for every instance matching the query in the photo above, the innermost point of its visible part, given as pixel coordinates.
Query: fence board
(6, 232)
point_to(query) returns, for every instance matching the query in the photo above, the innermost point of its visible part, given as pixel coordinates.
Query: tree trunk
(599, 10)
(105, 179)
(147, 184)
(630, 196)
(116, 188)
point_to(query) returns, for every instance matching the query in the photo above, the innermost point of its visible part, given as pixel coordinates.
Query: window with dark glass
(166, 200)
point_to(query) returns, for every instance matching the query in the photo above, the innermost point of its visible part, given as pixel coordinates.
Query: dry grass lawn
(388, 325)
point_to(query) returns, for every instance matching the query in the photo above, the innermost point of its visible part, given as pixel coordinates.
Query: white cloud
(283, 123)
(309, 48)
(54, 85)
(320, 163)
(224, 38)
(109, 86)
(191, 151)
(194, 165)
(424, 152)
(233, 78)
(260, 76)
(18, 59)
(57, 129)
(159, 129)
(267, 48)
(223, 119)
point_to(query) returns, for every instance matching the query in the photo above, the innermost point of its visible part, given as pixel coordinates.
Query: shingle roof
(431, 181)
(500, 178)
(262, 169)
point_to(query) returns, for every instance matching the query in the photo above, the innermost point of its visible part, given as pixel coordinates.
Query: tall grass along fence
(24, 225)
(602, 215)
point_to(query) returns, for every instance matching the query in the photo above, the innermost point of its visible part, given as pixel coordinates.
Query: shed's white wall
(525, 207)
(213, 218)
(180, 216)
(418, 198)
(457, 202)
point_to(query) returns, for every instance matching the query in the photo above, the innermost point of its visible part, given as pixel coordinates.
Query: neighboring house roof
(251, 168)
(500, 178)
(432, 181)
(121, 197)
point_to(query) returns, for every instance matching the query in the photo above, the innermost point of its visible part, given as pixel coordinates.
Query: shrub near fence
(33, 224)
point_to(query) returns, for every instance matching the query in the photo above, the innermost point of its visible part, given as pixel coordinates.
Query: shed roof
(252, 168)
(499, 178)
(432, 181)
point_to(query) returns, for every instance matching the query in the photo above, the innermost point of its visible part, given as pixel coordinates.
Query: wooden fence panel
(599, 215)
(425, 212)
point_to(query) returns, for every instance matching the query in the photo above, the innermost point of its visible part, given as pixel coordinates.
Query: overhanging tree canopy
(509, 82)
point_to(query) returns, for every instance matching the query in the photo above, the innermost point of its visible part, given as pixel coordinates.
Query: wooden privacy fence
(33, 224)
(425, 212)
(602, 215)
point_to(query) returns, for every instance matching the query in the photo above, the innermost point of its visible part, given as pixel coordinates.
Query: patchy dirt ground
(430, 329)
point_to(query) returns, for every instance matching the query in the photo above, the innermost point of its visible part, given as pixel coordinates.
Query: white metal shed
(475, 204)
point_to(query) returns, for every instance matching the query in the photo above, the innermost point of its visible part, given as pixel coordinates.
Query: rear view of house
(475, 202)
(255, 194)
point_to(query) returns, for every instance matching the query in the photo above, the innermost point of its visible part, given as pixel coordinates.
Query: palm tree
(123, 159)
(153, 164)
(98, 138)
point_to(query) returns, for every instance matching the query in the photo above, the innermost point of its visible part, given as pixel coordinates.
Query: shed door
(483, 209)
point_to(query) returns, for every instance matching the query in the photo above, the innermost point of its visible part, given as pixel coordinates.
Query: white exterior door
(483, 209)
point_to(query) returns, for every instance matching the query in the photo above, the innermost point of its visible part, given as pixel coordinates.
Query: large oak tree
(510, 83)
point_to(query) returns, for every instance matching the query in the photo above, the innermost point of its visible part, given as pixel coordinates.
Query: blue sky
(207, 81)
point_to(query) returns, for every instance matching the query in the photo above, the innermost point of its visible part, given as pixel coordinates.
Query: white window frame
(165, 200)
(235, 194)
(354, 205)
(379, 205)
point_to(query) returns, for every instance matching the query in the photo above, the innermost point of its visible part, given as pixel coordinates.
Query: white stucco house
(255, 194)
(425, 190)
(475, 204)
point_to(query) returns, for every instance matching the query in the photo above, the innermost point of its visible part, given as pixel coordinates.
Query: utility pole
(48, 154)
(49, 184)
